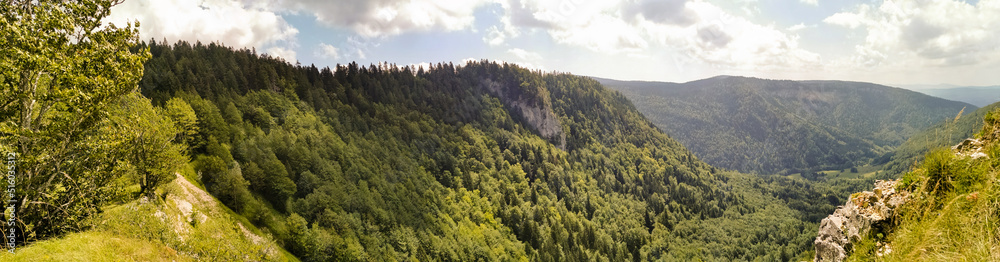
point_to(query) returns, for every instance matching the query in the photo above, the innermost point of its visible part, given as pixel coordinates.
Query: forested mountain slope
(945, 133)
(778, 126)
(482, 161)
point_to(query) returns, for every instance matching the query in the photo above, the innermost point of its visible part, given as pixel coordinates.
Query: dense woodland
(786, 127)
(389, 163)
(481, 161)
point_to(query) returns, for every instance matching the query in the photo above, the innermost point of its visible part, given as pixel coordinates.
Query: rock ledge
(854, 220)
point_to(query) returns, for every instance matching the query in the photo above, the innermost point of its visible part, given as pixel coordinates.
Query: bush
(938, 170)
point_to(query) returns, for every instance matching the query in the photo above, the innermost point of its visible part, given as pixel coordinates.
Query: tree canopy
(70, 110)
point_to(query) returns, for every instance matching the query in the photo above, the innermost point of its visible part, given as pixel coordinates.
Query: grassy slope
(95, 246)
(953, 213)
(184, 224)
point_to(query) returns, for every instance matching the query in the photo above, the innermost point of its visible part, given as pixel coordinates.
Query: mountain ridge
(851, 123)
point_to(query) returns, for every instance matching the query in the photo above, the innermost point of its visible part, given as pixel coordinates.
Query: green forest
(376, 162)
(944, 134)
(766, 126)
(105, 134)
(382, 162)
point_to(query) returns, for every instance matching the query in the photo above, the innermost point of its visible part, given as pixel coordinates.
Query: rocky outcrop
(538, 116)
(854, 220)
(969, 148)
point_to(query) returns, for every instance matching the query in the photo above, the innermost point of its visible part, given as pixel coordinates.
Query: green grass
(953, 214)
(867, 172)
(161, 230)
(863, 172)
(95, 246)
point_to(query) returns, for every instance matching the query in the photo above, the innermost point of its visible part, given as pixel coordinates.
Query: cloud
(928, 33)
(327, 51)
(376, 18)
(798, 27)
(284, 53)
(637, 28)
(661, 11)
(494, 36)
(848, 19)
(524, 55)
(209, 20)
(724, 40)
(810, 2)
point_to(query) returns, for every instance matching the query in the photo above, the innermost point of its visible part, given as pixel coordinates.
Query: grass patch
(179, 224)
(95, 246)
(953, 214)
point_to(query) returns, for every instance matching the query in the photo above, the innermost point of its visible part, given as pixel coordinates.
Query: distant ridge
(979, 96)
(783, 126)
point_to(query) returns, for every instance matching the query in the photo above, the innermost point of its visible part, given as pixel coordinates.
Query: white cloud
(847, 19)
(360, 46)
(798, 27)
(327, 51)
(810, 2)
(377, 18)
(208, 21)
(725, 40)
(908, 33)
(494, 36)
(284, 53)
(525, 55)
(697, 29)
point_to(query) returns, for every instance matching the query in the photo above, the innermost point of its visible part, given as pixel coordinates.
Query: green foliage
(948, 132)
(184, 119)
(69, 109)
(952, 212)
(786, 127)
(383, 163)
(95, 246)
(225, 183)
(147, 149)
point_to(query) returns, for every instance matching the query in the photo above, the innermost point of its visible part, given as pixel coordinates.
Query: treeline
(382, 162)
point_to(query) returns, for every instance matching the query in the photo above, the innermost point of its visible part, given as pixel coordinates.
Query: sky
(899, 43)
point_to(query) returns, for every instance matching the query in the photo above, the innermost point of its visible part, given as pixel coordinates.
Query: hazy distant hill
(779, 126)
(977, 95)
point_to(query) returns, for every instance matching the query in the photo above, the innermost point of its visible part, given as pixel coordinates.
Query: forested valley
(788, 127)
(383, 162)
(110, 137)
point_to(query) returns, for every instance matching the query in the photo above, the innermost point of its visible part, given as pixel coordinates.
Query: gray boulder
(854, 220)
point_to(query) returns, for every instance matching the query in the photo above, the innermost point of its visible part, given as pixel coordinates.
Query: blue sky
(904, 42)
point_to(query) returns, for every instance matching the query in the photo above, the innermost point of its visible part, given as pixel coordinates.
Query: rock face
(539, 117)
(854, 220)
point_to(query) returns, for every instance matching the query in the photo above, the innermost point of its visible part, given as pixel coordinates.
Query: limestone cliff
(538, 115)
(854, 220)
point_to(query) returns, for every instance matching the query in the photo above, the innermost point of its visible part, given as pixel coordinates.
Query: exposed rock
(539, 117)
(854, 220)
(969, 148)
